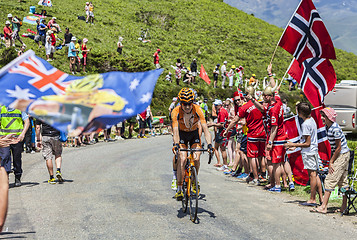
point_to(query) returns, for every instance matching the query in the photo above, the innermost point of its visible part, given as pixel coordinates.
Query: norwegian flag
(323, 143)
(306, 35)
(204, 75)
(316, 77)
(46, 3)
(293, 131)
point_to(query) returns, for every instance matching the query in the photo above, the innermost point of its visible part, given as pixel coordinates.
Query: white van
(344, 100)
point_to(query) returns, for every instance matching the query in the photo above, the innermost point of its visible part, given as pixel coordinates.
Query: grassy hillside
(208, 30)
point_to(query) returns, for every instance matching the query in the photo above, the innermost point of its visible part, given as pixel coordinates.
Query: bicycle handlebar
(194, 150)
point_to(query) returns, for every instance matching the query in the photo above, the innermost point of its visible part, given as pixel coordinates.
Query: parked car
(344, 100)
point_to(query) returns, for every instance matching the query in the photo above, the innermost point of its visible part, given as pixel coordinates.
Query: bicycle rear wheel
(193, 198)
(185, 198)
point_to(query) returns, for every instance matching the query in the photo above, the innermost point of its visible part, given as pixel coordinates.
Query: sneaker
(179, 195)
(174, 184)
(17, 182)
(249, 179)
(194, 188)
(228, 171)
(33, 152)
(59, 176)
(144, 136)
(52, 181)
(223, 168)
(274, 189)
(242, 176)
(255, 182)
(262, 179)
(236, 174)
(291, 187)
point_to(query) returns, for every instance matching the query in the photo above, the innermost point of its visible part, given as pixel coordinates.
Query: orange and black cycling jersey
(190, 124)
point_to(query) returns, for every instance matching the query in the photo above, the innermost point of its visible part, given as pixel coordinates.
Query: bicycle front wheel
(193, 198)
(185, 197)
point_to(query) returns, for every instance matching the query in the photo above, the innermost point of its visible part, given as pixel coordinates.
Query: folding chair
(351, 193)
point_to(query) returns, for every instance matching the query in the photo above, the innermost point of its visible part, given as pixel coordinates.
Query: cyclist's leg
(197, 156)
(181, 168)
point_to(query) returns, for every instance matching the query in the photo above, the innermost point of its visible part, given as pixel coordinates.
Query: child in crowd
(338, 166)
(309, 151)
(85, 51)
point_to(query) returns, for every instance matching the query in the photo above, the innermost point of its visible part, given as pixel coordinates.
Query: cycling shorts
(255, 147)
(189, 139)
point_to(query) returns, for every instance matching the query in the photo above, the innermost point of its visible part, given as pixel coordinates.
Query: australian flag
(316, 77)
(306, 35)
(74, 104)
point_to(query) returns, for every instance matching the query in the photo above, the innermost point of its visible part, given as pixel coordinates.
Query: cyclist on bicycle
(185, 125)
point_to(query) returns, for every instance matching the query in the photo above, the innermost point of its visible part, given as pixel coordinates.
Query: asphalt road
(121, 190)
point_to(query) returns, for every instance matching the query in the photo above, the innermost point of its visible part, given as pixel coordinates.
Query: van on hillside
(344, 100)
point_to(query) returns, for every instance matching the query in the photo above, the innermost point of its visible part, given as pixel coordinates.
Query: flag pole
(284, 31)
(292, 61)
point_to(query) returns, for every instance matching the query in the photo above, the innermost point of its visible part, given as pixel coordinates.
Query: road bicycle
(190, 199)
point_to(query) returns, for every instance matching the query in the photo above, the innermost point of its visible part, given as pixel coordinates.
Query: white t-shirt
(223, 69)
(309, 128)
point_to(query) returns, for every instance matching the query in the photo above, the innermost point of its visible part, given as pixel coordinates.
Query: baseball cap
(225, 62)
(158, 50)
(85, 40)
(9, 15)
(74, 39)
(7, 22)
(174, 99)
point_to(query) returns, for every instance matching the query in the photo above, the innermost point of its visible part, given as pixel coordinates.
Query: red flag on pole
(306, 35)
(204, 75)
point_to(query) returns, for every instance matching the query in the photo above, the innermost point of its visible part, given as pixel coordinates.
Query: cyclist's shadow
(181, 214)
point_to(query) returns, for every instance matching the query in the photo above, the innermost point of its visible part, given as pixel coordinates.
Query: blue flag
(74, 104)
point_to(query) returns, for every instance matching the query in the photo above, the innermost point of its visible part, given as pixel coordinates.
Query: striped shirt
(335, 132)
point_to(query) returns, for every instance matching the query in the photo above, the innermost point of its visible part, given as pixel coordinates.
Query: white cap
(229, 99)
(9, 15)
(174, 99)
(54, 18)
(225, 62)
(73, 39)
(217, 102)
(7, 22)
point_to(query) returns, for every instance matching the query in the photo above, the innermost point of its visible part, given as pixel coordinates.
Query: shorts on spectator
(8, 42)
(339, 176)
(277, 153)
(194, 74)
(157, 66)
(243, 144)
(53, 49)
(223, 141)
(91, 14)
(119, 125)
(142, 123)
(52, 146)
(255, 147)
(311, 161)
(15, 35)
(84, 61)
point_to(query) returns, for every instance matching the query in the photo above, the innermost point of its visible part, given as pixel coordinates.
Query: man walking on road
(48, 140)
(13, 121)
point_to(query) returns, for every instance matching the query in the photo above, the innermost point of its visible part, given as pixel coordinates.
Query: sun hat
(7, 23)
(253, 75)
(330, 113)
(158, 50)
(217, 102)
(85, 40)
(9, 15)
(74, 39)
(54, 18)
(233, 66)
(225, 62)
(229, 99)
(87, 3)
(174, 99)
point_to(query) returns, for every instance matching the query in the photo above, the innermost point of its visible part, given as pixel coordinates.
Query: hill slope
(208, 30)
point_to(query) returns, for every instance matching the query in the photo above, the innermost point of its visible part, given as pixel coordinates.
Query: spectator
(79, 55)
(41, 33)
(168, 77)
(53, 24)
(15, 29)
(187, 77)
(132, 122)
(8, 34)
(178, 71)
(253, 80)
(13, 121)
(85, 51)
(338, 165)
(4, 196)
(72, 53)
(239, 76)
(120, 129)
(194, 70)
(120, 45)
(156, 58)
(142, 124)
(67, 38)
(224, 73)
(204, 108)
(48, 47)
(215, 75)
(48, 140)
(22, 50)
(29, 144)
(230, 75)
(53, 44)
(91, 12)
(292, 83)
(309, 151)
(86, 8)
(149, 119)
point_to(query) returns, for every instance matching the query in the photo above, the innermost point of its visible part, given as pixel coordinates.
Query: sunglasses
(236, 100)
(186, 104)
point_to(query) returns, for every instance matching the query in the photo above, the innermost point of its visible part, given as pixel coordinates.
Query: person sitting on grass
(309, 151)
(338, 165)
